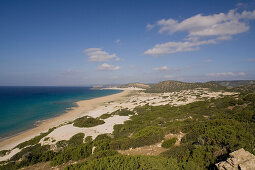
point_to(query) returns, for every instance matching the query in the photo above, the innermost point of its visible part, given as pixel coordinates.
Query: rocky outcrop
(238, 160)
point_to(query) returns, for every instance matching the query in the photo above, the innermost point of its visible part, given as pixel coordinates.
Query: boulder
(238, 160)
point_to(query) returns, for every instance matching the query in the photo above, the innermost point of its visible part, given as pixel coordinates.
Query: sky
(92, 42)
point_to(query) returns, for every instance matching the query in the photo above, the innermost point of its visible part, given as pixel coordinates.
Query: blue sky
(64, 42)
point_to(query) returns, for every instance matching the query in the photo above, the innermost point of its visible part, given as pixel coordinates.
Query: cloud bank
(107, 67)
(98, 55)
(165, 68)
(201, 30)
(227, 74)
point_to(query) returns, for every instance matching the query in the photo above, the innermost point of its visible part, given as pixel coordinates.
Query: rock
(238, 160)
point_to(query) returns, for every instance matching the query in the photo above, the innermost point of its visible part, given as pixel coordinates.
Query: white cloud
(107, 67)
(117, 41)
(98, 55)
(226, 74)
(165, 68)
(150, 26)
(175, 47)
(201, 30)
(221, 24)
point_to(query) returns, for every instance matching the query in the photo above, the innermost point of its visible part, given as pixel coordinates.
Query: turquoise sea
(22, 107)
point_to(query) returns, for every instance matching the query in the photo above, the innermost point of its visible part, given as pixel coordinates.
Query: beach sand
(82, 108)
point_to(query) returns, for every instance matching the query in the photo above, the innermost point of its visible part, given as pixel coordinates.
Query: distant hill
(138, 85)
(234, 83)
(171, 86)
(245, 89)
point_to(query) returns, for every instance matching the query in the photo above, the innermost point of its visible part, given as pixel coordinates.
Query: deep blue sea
(22, 107)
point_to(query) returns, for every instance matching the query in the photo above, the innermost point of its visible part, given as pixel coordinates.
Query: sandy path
(83, 107)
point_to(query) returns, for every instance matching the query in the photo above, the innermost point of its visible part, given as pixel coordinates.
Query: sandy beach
(82, 108)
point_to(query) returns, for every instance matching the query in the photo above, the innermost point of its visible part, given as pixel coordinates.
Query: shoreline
(82, 107)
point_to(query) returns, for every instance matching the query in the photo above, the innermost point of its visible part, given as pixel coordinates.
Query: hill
(234, 83)
(172, 86)
(245, 89)
(138, 85)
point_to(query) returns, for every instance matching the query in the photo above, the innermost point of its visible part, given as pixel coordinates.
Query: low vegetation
(146, 136)
(34, 140)
(169, 143)
(105, 116)
(128, 162)
(175, 86)
(87, 122)
(4, 152)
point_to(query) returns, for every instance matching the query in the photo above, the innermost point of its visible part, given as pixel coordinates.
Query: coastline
(82, 107)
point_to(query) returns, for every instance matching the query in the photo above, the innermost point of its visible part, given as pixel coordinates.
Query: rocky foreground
(238, 160)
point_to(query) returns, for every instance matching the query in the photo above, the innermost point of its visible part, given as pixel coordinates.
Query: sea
(21, 108)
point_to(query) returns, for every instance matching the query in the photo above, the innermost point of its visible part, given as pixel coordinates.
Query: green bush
(123, 112)
(103, 153)
(4, 152)
(76, 140)
(33, 151)
(34, 140)
(127, 162)
(105, 116)
(9, 166)
(168, 143)
(32, 155)
(87, 122)
(88, 139)
(62, 144)
(101, 145)
(143, 137)
(102, 136)
(73, 153)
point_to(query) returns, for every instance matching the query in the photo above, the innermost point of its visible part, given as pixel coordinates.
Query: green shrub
(168, 143)
(9, 166)
(127, 162)
(105, 116)
(32, 151)
(101, 145)
(32, 155)
(4, 152)
(76, 139)
(123, 112)
(181, 153)
(34, 140)
(143, 137)
(87, 122)
(73, 153)
(88, 139)
(103, 153)
(148, 135)
(62, 144)
(101, 137)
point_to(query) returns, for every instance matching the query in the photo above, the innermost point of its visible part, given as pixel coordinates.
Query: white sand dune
(67, 131)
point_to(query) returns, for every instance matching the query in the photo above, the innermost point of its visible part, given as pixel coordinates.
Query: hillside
(172, 86)
(245, 89)
(234, 83)
(138, 85)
